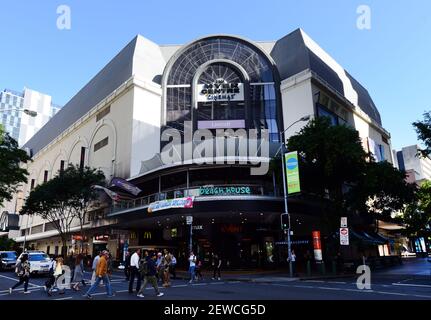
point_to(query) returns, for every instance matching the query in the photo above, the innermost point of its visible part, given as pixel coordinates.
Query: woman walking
(78, 275)
(23, 271)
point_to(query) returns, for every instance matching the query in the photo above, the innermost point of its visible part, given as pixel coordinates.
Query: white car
(39, 261)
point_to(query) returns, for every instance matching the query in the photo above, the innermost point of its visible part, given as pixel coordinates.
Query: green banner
(292, 172)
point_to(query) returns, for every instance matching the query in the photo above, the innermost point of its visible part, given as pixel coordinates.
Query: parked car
(39, 261)
(8, 260)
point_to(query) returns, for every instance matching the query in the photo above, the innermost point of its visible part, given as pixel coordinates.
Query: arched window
(221, 78)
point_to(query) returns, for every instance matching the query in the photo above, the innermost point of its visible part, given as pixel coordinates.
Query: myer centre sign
(220, 90)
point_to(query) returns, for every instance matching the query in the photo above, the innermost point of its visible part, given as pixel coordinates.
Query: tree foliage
(11, 172)
(64, 198)
(335, 167)
(423, 130)
(417, 216)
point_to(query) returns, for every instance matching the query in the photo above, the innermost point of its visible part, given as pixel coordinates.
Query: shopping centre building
(220, 87)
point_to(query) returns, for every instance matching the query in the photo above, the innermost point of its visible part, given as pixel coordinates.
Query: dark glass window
(82, 160)
(32, 184)
(45, 176)
(61, 166)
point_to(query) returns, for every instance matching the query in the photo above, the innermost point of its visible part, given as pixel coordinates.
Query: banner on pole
(292, 172)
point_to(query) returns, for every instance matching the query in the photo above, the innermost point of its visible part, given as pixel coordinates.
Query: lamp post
(282, 144)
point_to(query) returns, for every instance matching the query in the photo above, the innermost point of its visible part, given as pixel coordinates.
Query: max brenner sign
(220, 90)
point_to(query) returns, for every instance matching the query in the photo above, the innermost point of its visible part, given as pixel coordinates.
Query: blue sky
(391, 59)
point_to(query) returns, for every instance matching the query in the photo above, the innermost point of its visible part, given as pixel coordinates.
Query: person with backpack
(51, 279)
(23, 271)
(149, 270)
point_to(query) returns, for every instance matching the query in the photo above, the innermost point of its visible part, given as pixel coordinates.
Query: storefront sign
(317, 246)
(102, 237)
(199, 227)
(185, 203)
(220, 90)
(189, 219)
(125, 185)
(147, 235)
(344, 236)
(217, 191)
(292, 172)
(221, 124)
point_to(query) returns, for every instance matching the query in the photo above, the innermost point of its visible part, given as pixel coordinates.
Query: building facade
(418, 169)
(20, 125)
(161, 117)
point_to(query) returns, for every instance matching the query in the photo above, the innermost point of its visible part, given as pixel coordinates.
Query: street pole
(191, 237)
(286, 209)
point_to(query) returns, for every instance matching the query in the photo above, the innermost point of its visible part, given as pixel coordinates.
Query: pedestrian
(58, 271)
(172, 267)
(159, 267)
(78, 274)
(149, 271)
(198, 269)
(134, 271)
(94, 266)
(293, 259)
(127, 265)
(167, 259)
(101, 274)
(23, 271)
(192, 266)
(216, 266)
(51, 279)
(110, 265)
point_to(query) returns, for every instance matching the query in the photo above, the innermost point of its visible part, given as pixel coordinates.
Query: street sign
(292, 172)
(189, 219)
(344, 236)
(343, 223)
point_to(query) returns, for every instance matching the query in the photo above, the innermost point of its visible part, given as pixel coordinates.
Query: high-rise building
(418, 169)
(20, 125)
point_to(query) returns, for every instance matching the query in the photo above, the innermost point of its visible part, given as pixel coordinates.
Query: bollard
(322, 266)
(334, 268)
(309, 268)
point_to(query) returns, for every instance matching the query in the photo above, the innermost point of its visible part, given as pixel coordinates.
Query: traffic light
(284, 221)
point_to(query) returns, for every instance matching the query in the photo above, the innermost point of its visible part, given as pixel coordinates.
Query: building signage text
(171, 203)
(217, 191)
(220, 90)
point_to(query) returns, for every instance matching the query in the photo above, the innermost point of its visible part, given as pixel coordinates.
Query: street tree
(423, 130)
(64, 199)
(417, 216)
(83, 194)
(335, 168)
(12, 174)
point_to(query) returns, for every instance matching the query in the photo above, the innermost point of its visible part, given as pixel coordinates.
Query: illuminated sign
(147, 235)
(217, 191)
(220, 90)
(185, 203)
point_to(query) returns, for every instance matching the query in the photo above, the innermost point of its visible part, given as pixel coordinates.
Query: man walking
(149, 270)
(217, 266)
(134, 271)
(127, 265)
(101, 274)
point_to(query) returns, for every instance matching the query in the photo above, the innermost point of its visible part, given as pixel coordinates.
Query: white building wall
(297, 102)
(146, 125)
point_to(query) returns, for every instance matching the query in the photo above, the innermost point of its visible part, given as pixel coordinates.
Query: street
(411, 281)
